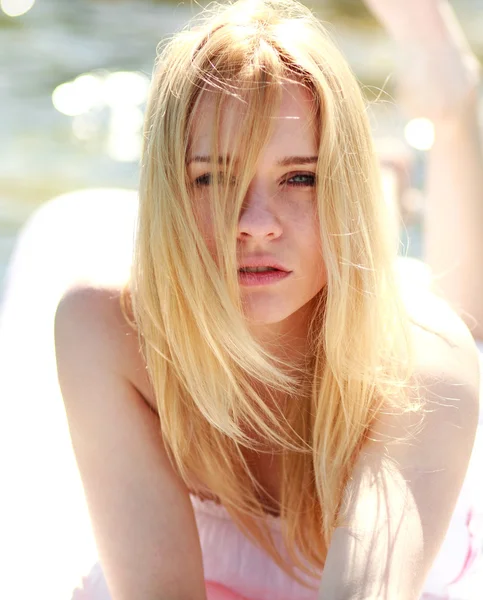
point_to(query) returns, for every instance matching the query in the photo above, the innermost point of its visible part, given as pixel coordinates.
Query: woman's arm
(453, 230)
(439, 78)
(407, 479)
(142, 516)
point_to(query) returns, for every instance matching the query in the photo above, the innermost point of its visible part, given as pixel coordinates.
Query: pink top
(233, 561)
(236, 569)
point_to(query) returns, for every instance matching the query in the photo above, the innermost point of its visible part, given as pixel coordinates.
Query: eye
(301, 180)
(203, 180)
(207, 179)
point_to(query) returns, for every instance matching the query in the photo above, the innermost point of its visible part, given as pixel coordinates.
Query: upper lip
(261, 261)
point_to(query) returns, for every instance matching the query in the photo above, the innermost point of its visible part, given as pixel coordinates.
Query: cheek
(204, 221)
(301, 207)
(306, 227)
(303, 220)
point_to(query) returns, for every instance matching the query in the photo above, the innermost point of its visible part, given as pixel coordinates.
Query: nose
(258, 219)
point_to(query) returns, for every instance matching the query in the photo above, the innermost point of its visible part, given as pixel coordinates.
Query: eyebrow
(282, 162)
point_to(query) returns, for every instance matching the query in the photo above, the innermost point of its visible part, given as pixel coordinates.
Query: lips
(260, 262)
(261, 278)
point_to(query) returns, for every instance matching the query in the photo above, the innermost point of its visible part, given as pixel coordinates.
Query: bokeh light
(84, 127)
(124, 140)
(419, 134)
(79, 96)
(91, 96)
(125, 88)
(16, 8)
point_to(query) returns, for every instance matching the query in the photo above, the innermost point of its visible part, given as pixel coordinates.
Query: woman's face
(278, 225)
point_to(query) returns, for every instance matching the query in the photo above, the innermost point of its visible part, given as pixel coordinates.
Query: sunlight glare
(419, 134)
(79, 96)
(125, 88)
(124, 147)
(125, 140)
(16, 8)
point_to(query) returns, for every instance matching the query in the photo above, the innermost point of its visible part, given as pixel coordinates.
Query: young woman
(266, 410)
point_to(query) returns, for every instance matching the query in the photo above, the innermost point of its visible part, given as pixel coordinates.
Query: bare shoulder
(406, 480)
(447, 385)
(92, 319)
(442, 341)
(140, 508)
(447, 389)
(444, 346)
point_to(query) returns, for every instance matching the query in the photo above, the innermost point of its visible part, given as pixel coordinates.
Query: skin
(382, 553)
(279, 217)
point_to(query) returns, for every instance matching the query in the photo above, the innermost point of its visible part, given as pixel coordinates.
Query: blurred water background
(73, 81)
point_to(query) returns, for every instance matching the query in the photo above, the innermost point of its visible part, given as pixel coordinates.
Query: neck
(287, 340)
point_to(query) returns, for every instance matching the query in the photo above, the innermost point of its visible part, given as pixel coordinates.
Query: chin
(263, 312)
(284, 310)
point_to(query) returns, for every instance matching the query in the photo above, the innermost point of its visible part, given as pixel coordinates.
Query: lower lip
(266, 278)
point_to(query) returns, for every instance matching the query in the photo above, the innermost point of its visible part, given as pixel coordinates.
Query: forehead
(293, 122)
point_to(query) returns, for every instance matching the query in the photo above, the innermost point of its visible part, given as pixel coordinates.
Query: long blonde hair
(206, 368)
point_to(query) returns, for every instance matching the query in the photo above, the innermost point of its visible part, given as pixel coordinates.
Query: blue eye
(207, 179)
(298, 180)
(302, 180)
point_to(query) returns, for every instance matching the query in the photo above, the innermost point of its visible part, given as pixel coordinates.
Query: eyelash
(310, 176)
(202, 180)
